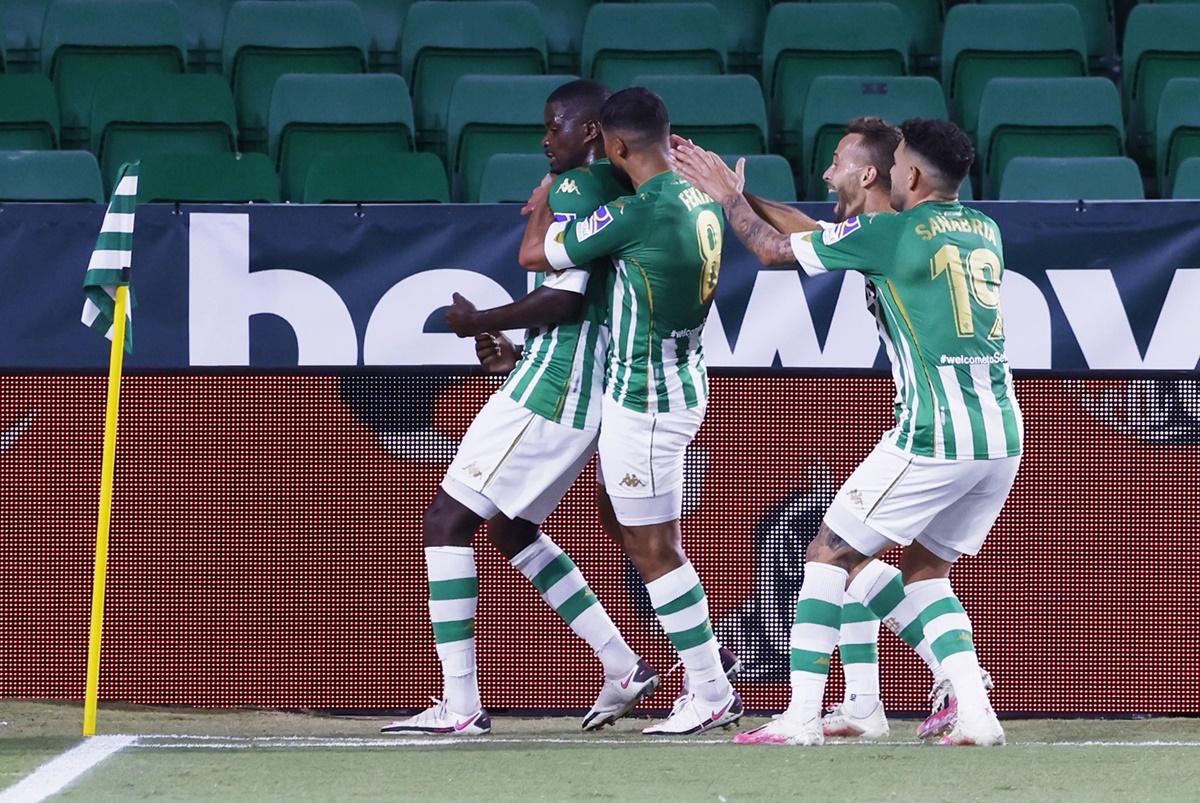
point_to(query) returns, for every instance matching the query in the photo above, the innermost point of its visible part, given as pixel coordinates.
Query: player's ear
(619, 147)
(914, 178)
(868, 176)
(591, 131)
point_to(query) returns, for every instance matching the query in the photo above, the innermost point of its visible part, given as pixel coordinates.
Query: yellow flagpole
(102, 524)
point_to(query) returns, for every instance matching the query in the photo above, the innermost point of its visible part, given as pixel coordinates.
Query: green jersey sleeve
(864, 243)
(576, 193)
(580, 241)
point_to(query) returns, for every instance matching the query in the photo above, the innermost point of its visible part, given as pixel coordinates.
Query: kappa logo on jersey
(631, 481)
(592, 225)
(841, 230)
(568, 185)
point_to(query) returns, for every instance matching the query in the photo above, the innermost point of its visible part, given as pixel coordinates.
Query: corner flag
(109, 266)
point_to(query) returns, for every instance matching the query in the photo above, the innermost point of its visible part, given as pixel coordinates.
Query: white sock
(453, 599)
(858, 649)
(678, 599)
(882, 589)
(814, 635)
(948, 631)
(562, 586)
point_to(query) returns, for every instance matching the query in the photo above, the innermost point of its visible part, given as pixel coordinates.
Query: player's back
(665, 281)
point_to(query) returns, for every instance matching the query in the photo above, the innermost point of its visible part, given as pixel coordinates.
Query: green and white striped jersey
(561, 372)
(936, 271)
(665, 243)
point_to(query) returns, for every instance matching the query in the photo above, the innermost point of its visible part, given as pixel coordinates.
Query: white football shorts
(896, 498)
(514, 461)
(642, 455)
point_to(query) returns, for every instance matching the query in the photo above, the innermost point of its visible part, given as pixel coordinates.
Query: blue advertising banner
(1102, 286)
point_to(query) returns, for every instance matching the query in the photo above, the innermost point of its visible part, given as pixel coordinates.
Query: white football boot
(440, 721)
(618, 697)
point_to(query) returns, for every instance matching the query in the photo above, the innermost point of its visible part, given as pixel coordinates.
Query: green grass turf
(1045, 761)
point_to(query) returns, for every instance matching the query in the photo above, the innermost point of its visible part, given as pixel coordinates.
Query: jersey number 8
(708, 236)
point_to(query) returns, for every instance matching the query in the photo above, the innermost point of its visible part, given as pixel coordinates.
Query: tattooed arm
(772, 248)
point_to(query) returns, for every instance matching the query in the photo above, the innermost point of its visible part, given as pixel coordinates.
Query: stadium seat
(563, 21)
(1097, 18)
(985, 42)
(1178, 128)
(621, 42)
(203, 29)
(744, 22)
(723, 113)
(84, 42)
(495, 114)
(768, 176)
(28, 113)
(442, 41)
(924, 19)
(21, 23)
(265, 39)
(1187, 180)
(511, 177)
(805, 41)
(384, 20)
(836, 99)
(50, 176)
(207, 178)
(314, 114)
(1094, 178)
(133, 117)
(376, 178)
(1161, 42)
(1046, 117)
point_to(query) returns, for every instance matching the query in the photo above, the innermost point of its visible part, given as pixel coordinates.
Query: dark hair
(639, 114)
(943, 145)
(880, 139)
(581, 98)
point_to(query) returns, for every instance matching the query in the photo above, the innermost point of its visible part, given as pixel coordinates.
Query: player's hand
(540, 195)
(462, 317)
(707, 172)
(496, 352)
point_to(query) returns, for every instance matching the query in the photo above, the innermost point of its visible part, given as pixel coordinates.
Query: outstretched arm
(545, 306)
(781, 217)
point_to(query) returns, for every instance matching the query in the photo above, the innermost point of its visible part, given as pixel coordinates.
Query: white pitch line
(54, 776)
(180, 741)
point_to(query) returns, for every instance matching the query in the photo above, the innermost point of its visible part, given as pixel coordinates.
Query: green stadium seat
(924, 19)
(1178, 128)
(203, 29)
(21, 23)
(1094, 178)
(1097, 18)
(85, 42)
(384, 20)
(744, 22)
(492, 114)
(265, 39)
(134, 117)
(443, 41)
(1046, 117)
(28, 113)
(835, 100)
(376, 178)
(985, 42)
(314, 114)
(207, 178)
(722, 113)
(768, 176)
(805, 41)
(563, 22)
(511, 177)
(50, 176)
(1161, 42)
(1187, 180)
(621, 42)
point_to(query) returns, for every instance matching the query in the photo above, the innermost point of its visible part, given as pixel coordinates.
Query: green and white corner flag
(109, 266)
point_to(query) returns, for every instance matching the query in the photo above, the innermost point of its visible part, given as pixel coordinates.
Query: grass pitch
(184, 755)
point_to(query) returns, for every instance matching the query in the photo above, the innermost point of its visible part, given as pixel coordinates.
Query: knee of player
(828, 547)
(448, 523)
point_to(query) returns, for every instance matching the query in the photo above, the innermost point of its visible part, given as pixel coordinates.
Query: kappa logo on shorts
(856, 498)
(473, 470)
(632, 481)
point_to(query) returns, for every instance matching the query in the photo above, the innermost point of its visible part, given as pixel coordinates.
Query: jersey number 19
(975, 281)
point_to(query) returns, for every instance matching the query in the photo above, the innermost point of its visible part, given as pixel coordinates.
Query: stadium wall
(266, 535)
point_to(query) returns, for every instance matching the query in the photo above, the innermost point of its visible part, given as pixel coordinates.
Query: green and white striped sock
(678, 599)
(453, 599)
(562, 586)
(814, 635)
(948, 630)
(858, 647)
(883, 592)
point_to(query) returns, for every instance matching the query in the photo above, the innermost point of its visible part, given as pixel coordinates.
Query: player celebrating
(525, 449)
(937, 481)
(665, 245)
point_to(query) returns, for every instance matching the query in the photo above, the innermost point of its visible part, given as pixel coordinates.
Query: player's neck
(878, 203)
(592, 156)
(643, 167)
